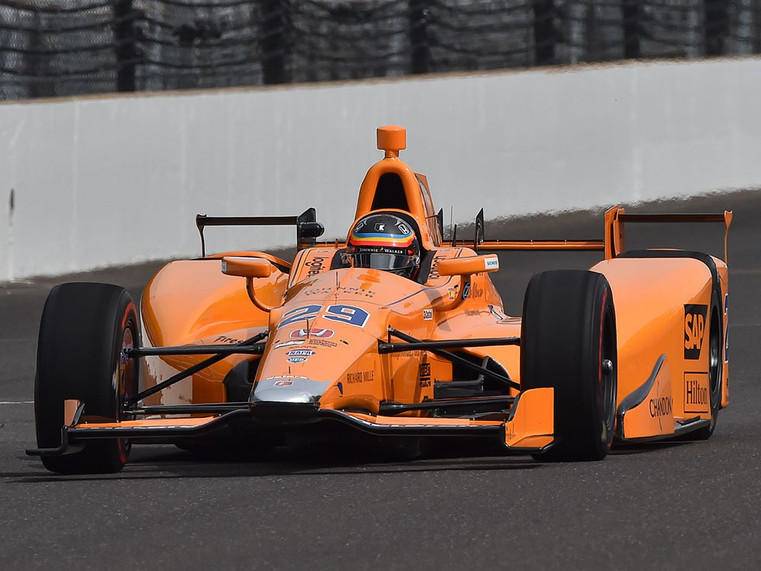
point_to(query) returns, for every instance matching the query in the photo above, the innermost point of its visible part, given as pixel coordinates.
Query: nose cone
(289, 389)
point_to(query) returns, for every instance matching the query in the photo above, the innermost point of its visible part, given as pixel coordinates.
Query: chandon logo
(661, 407)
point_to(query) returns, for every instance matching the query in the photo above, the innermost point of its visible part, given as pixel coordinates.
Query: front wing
(527, 429)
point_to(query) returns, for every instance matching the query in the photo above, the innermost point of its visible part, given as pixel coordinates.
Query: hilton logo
(696, 395)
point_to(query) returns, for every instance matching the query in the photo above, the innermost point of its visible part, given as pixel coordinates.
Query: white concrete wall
(116, 180)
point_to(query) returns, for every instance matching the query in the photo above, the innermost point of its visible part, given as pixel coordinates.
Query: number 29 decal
(342, 313)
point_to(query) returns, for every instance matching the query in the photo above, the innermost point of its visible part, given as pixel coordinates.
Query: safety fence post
(716, 26)
(545, 37)
(274, 41)
(125, 40)
(421, 52)
(633, 28)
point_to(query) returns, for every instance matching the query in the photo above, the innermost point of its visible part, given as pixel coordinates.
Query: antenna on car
(479, 230)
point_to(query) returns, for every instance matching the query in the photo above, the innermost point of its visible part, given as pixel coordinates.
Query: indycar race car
(392, 334)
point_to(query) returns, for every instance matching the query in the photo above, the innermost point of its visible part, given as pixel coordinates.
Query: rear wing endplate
(307, 227)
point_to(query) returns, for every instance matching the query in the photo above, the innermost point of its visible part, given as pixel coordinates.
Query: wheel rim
(714, 361)
(126, 369)
(608, 378)
(124, 376)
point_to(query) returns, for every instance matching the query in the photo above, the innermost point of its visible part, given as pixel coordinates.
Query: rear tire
(84, 329)
(568, 342)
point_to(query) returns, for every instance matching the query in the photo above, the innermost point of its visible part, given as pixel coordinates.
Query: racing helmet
(384, 241)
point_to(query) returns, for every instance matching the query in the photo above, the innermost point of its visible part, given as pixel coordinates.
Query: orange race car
(390, 333)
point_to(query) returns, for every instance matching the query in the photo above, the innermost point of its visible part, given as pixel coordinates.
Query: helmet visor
(384, 261)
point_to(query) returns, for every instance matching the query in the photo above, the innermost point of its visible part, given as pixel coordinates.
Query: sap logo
(694, 330)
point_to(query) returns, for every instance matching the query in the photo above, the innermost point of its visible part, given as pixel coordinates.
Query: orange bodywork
(651, 296)
(328, 320)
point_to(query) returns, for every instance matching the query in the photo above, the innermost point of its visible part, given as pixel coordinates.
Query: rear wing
(616, 217)
(307, 227)
(612, 244)
(613, 240)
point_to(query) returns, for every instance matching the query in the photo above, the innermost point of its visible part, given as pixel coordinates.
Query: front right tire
(568, 342)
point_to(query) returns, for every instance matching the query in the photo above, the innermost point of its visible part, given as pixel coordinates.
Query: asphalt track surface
(667, 506)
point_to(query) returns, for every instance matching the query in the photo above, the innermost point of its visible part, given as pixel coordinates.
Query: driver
(384, 241)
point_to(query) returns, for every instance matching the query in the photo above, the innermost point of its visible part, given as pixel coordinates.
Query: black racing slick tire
(84, 331)
(568, 342)
(715, 367)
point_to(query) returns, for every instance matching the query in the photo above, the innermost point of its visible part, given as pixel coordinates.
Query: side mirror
(246, 267)
(468, 266)
(249, 268)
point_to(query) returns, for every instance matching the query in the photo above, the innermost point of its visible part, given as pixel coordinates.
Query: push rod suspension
(227, 349)
(391, 408)
(453, 344)
(214, 408)
(195, 368)
(456, 359)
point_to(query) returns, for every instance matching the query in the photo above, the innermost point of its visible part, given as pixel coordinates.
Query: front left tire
(84, 332)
